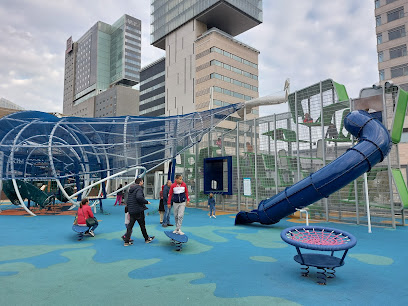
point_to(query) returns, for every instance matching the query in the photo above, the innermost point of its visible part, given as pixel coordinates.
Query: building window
(229, 80)
(237, 58)
(377, 20)
(382, 75)
(379, 38)
(377, 3)
(395, 14)
(380, 56)
(390, 1)
(399, 71)
(396, 33)
(232, 93)
(398, 51)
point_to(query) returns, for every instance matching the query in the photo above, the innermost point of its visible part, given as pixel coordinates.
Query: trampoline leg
(305, 271)
(321, 276)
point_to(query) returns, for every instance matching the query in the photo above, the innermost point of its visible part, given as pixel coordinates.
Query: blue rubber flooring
(42, 263)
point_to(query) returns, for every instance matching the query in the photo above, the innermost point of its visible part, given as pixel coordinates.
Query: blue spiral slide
(373, 146)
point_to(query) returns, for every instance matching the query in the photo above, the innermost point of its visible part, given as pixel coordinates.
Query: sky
(305, 41)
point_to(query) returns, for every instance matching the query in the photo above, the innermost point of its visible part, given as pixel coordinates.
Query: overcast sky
(306, 41)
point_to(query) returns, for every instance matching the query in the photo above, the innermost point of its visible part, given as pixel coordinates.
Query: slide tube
(373, 146)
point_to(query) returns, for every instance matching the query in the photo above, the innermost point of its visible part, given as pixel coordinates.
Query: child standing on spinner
(211, 204)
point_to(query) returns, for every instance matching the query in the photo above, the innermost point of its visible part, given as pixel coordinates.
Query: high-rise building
(391, 20)
(231, 16)
(226, 72)
(104, 57)
(205, 65)
(152, 89)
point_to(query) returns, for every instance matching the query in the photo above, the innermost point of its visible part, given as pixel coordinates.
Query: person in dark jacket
(136, 207)
(167, 210)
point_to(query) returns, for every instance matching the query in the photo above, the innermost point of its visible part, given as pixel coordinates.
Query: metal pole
(269, 139)
(276, 154)
(355, 181)
(367, 202)
(326, 203)
(238, 176)
(256, 163)
(297, 139)
(197, 185)
(385, 122)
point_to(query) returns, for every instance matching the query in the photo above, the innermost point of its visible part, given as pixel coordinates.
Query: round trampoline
(320, 239)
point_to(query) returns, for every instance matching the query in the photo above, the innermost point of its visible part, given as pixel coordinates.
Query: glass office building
(152, 89)
(231, 16)
(104, 56)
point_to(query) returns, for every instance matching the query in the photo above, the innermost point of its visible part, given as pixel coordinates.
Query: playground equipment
(373, 147)
(293, 165)
(91, 151)
(280, 160)
(80, 230)
(27, 191)
(40, 146)
(319, 239)
(177, 240)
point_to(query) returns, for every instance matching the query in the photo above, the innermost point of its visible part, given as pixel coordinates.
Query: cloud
(310, 41)
(306, 41)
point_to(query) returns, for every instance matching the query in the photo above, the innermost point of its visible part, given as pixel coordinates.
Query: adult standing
(167, 209)
(178, 194)
(161, 206)
(136, 207)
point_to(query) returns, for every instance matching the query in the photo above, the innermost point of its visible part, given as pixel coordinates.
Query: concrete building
(392, 41)
(106, 56)
(226, 72)
(152, 89)
(391, 23)
(7, 107)
(198, 38)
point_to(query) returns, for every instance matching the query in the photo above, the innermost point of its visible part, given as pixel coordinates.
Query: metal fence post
(238, 176)
(256, 163)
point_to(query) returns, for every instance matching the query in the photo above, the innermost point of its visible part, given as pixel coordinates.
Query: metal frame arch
(35, 148)
(52, 162)
(97, 153)
(13, 175)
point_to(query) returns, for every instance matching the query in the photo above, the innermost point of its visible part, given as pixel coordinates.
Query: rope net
(321, 237)
(39, 146)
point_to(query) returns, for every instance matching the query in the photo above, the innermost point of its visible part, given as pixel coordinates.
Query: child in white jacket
(127, 221)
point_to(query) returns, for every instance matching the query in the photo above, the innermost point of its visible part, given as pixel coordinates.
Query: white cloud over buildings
(306, 41)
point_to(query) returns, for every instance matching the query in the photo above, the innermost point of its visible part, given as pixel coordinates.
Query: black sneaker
(150, 239)
(170, 224)
(128, 243)
(164, 225)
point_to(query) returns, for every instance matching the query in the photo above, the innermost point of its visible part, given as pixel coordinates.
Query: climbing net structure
(39, 146)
